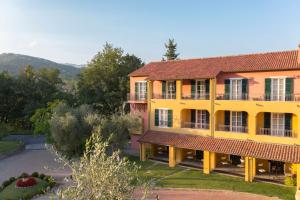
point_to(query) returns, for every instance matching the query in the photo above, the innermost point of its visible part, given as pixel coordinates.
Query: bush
(12, 179)
(41, 176)
(290, 180)
(35, 174)
(6, 183)
(27, 182)
(23, 175)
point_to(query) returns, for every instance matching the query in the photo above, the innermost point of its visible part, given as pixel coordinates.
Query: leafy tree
(41, 119)
(102, 176)
(104, 82)
(115, 130)
(70, 127)
(171, 47)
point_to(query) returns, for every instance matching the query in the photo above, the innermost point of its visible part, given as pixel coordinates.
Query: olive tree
(99, 175)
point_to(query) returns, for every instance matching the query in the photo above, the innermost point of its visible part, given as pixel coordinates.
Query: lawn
(13, 193)
(9, 146)
(180, 177)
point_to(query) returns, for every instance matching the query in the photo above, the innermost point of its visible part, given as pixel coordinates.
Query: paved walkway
(189, 194)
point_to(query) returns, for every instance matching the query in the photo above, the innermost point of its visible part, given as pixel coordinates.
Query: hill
(13, 63)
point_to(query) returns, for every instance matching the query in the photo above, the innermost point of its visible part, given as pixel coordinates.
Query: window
(237, 121)
(171, 90)
(163, 118)
(277, 124)
(235, 89)
(141, 90)
(201, 119)
(278, 89)
(200, 89)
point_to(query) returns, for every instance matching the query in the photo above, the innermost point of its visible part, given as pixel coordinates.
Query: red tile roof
(211, 67)
(269, 151)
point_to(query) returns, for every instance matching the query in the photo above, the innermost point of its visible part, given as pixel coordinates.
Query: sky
(74, 31)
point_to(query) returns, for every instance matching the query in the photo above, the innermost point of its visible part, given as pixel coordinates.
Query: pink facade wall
(135, 145)
(256, 81)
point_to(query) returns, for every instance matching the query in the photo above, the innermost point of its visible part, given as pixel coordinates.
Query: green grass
(180, 177)
(9, 146)
(7, 129)
(13, 193)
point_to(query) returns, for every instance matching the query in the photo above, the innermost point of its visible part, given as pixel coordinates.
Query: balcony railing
(259, 97)
(165, 96)
(196, 97)
(276, 132)
(136, 97)
(243, 96)
(195, 125)
(229, 128)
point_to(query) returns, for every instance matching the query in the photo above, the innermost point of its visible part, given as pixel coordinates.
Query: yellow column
(143, 151)
(253, 167)
(172, 161)
(212, 94)
(153, 150)
(249, 169)
(149, 97)
(179, 155)
(178, 89)
(212, 160)
(252, 124)
(207, 164)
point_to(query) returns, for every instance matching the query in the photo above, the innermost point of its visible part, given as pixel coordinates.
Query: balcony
(276, 132)
(259, 97)
(196, 97)
(194, 125)
(165, 96)
(137, 98)
(234, 129)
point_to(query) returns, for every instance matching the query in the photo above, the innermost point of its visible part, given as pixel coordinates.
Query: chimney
(299, 54)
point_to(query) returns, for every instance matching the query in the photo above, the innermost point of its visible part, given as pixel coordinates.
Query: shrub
(12, 179)
(6, 183)
(290, 180)
(23, 175)
(26, 182)
(41, 176)
(35, 174)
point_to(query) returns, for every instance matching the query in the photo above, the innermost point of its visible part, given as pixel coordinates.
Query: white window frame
(236, 122)
(200, 93)
(163, 117)
(142, 95)
(278, 97)
(277, 129)
(201, 116)
(238, 96)
(171, 89)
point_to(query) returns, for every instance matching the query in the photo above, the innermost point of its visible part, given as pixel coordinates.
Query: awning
(268, 151)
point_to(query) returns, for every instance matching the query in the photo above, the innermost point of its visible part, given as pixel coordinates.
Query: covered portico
(244, 155)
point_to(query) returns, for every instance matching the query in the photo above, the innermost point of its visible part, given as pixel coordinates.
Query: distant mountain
(13, 63)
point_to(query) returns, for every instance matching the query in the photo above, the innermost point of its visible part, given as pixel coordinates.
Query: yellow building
(233, 114)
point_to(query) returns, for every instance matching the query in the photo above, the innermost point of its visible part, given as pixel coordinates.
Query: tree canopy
(171, 47)
(104, 83)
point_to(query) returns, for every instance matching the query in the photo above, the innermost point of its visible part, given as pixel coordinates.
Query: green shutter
(207, 117)
(175, 89)
(267, 120)
(227, 89)
(170, 118)
(136, 91)
(245, 89)
(288, 121)
(244, 119)
(207, 89)
(227, 118)
(267, 89)
(193, 118)
(156, 117)
(289, 89)
(163, 87)
(193, 88)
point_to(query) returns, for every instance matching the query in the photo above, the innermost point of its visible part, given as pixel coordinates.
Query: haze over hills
(13, 63)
